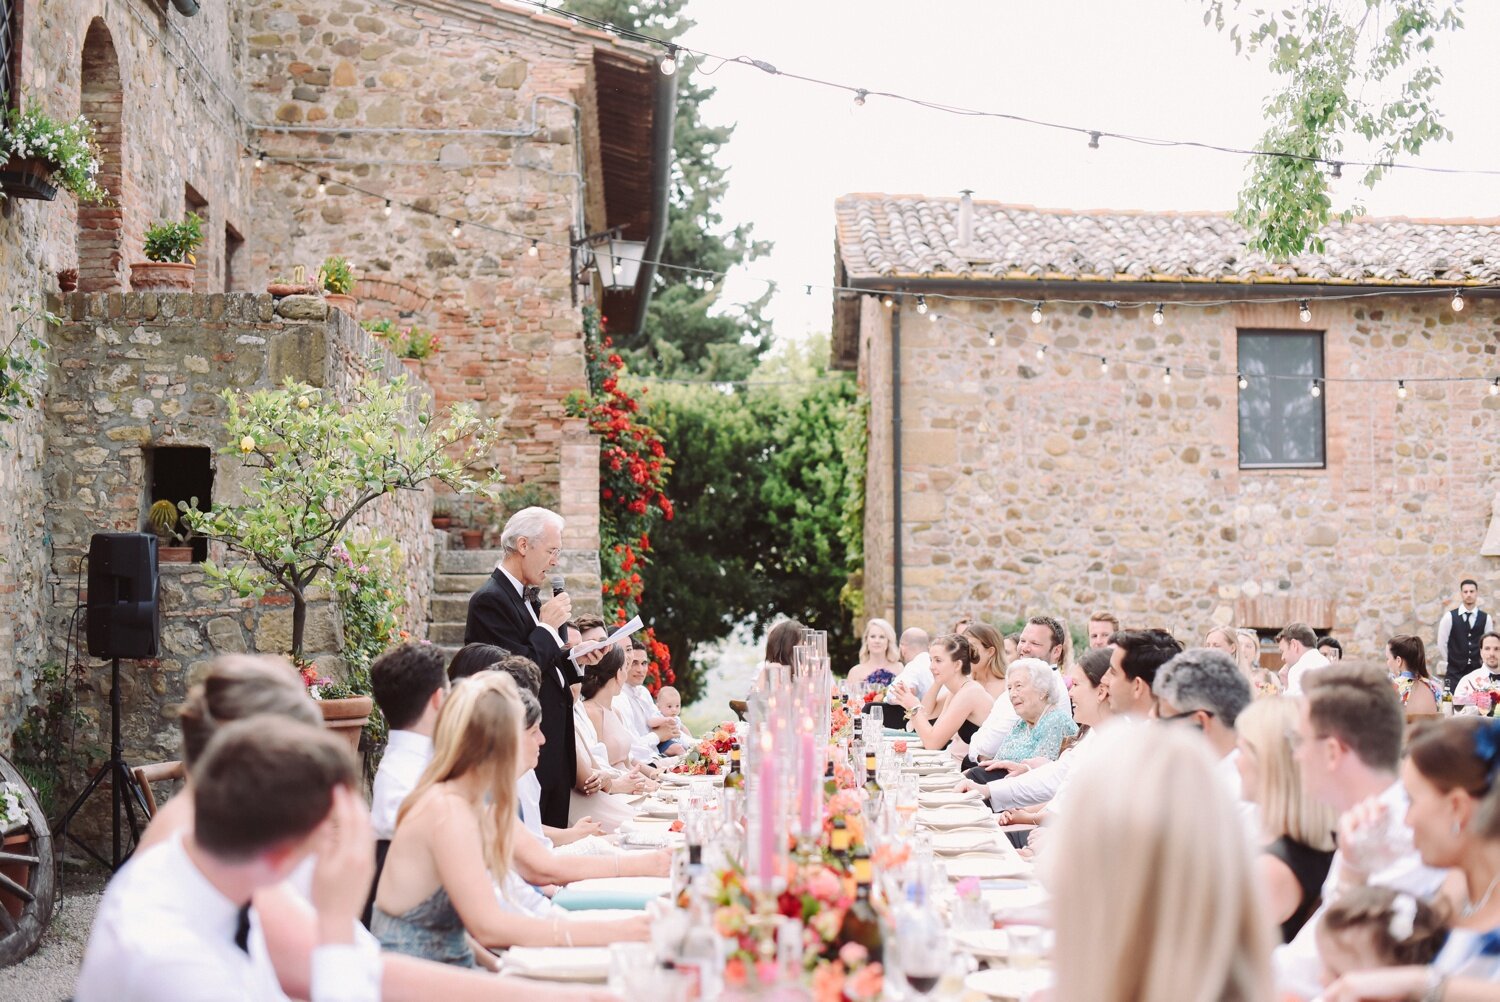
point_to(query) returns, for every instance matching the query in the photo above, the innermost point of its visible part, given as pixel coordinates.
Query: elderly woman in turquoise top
(1041, 703)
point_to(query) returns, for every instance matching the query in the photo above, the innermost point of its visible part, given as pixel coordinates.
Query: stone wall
(1052, 487)
(139, 372)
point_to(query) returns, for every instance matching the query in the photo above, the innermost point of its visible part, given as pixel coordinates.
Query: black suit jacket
(498, 615)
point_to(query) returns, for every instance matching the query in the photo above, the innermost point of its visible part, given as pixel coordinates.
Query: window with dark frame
(10, 50)
(181, 473)
(1281, 416)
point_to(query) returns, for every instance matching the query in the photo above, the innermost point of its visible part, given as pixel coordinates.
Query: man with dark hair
(1299, 655)
(1485, 678)
(1132, 669)
(409, 684)
(1348, 747)
(1459, 633)
(1331, 649)
(1044, 637)
(267, 791)
(651, 733)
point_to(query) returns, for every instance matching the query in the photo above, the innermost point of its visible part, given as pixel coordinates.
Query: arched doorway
(101, 254)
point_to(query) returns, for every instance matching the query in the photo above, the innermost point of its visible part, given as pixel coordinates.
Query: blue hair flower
(1487, 743)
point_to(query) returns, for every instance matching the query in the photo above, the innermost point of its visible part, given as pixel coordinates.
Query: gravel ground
(49, 973)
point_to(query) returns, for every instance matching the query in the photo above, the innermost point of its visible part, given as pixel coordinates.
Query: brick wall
(1050, 486)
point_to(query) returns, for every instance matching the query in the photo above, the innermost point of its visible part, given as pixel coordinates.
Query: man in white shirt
(409, 683)
(916, 670)
(1348, 741)
(268, 791)
(1458, 636)
(651, 734)
(1299, 655)
(1485, 678)
(1204, 688)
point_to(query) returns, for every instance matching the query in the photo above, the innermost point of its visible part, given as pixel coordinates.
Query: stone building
(299, 131)
(1061, 466)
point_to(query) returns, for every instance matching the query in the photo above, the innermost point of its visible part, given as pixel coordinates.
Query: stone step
(467, 561)
(448, 608)
(458, 584)
(445, 634)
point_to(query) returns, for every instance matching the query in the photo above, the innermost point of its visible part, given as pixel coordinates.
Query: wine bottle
(861, 922)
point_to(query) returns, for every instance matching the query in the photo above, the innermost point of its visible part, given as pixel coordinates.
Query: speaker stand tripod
(124, 793)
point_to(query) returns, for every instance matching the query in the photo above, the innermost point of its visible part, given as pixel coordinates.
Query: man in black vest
(1459, 633)
(507, 611)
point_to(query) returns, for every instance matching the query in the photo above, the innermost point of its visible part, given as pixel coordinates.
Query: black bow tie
(242, 929)
(531, 594)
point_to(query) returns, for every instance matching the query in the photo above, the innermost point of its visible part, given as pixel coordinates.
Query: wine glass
(906, 801)
(922, 950)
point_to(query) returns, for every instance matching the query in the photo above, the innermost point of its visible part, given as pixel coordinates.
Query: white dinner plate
(985, 866)
(956, 816)
(939, 782)
(682, 779)
(1017, 898)
(952, 843)
(947, 798)
(648, 826)
(558, 963)
(991, 944)
(1009, 983)
(657, 809)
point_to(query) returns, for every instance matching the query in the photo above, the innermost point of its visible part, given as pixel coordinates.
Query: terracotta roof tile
(913, 236)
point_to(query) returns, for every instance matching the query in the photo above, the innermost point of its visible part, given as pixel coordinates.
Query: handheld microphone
(558, 586)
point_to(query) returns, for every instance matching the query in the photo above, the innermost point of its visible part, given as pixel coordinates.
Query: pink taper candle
(766, 783)
(809, 786)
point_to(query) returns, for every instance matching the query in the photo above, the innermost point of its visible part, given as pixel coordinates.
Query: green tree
(684, 335)
(1350, 68)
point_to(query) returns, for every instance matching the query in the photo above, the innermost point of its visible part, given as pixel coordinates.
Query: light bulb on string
(669, 61)
(533, 250)
(1103, 364)
(260, 159)
(458, 229)
(888, 300)
(1495, 387)
(1244, 383)
(809, 290)
(1316, 389)
(1041, 352)
(992, 339)
(1093, 140)
(708, 286)
(1159, 316)
(859, 98)
(922, 305)
(1036, 313)
(386, 212)
(932, 318)
(1166, 377)
(1304, 313)
(1458, 300)
(322, 185)
(1401, 388)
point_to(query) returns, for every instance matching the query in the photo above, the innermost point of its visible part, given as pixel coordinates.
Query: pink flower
(853, 954)
(867, 983)
(824, 885)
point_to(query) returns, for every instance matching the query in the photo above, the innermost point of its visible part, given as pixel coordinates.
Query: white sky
(1143, 66)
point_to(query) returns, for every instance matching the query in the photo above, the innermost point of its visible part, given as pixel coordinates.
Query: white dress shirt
(917, 673)
(1034, 786)
(515, 583)
(635, 709)
(993, 732)
(1310, 660)
(1296, 964)
(163, 933)
(1479, 679)
(529, 794)
(406, 755)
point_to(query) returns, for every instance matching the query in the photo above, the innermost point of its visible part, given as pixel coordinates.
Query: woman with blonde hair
(989, 658)
(453, 841)
(879, 651)
(1296, 835)
(1182, 921)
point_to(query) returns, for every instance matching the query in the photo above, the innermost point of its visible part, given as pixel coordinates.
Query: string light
(888, 300)
(922, 305)
(1317, 388)
(322, 185)
(859, 98)
(992, 339)
(1103, 364)
(1304, 313)
(1094, 140)
(669, 61)
(260, 159)
(1166, 377)
(1338, 170)
(1041, 352)
(1401, 388)
(1495, 387)
(386, 212)
(1036, 313)
(1244, 383)
(707, 286)
(533, 250)
(458, 229)
(1458, 300)
(809, 290)
(932, 318)
(1159, 316)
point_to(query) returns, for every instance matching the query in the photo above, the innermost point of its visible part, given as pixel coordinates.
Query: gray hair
(1044, 678)
(1202, 678)
(527, 524)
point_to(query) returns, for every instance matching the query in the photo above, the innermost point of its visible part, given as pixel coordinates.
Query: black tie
(242, 929)
(532, 595)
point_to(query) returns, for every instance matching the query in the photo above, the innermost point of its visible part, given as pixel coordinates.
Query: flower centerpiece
(43, 154)
(876, 683)
(709, 756)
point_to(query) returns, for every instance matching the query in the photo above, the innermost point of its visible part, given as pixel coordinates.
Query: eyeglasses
(1184, 716)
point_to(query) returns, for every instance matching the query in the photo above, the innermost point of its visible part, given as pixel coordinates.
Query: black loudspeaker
(124, 619)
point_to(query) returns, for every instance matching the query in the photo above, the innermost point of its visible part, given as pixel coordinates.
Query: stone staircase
(458, 573)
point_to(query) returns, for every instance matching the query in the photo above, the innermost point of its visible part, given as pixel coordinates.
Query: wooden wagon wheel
(27, 875)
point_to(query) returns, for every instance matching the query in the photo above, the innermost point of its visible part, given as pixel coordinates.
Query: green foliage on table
(53, 747)
(335, 275)
(175, 243)
(680, 338)
(23, 368)
(315, 463)
(1348, 70)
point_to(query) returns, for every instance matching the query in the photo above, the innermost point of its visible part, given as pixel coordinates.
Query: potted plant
(383, 327)
(296, 285)
(42, 155)
(442, 517)
(473, 538)
(169, 256)
(337, 279)
(345, 712)
(175, 535)
(414, 344)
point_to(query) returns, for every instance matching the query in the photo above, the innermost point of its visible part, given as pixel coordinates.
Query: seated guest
(1205, 689)
(879, 651)
(916, 663)
(1183, 919)
(651, 734)
(1349, 734)
(605, 771)
(1045, 637)
(1296, 831)
(1406, 661)
(669, 705)
(1222, 638)
(967, 706)
(1132, 669)
(409, 684)
(267, 792)
(1019, 792)
(1375, 929)
(454, 838)
(989, 659)
(1044, 715)
(1299, 655)
(1102, 626)
(1012, 642)
(781, 639)
(1331, 649)
(1474, 692)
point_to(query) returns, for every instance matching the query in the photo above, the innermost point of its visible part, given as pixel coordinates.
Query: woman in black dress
(967, 704)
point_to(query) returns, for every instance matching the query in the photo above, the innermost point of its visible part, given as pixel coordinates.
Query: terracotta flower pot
(472, 538)
(413, 365)
(18, 844)
(442, 521)
(28, 177)
(174, 554)
(161, 276)
(347, 717)
(348, 304)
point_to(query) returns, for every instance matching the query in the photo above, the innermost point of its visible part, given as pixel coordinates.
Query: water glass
(627, 961)
(1027, 945)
